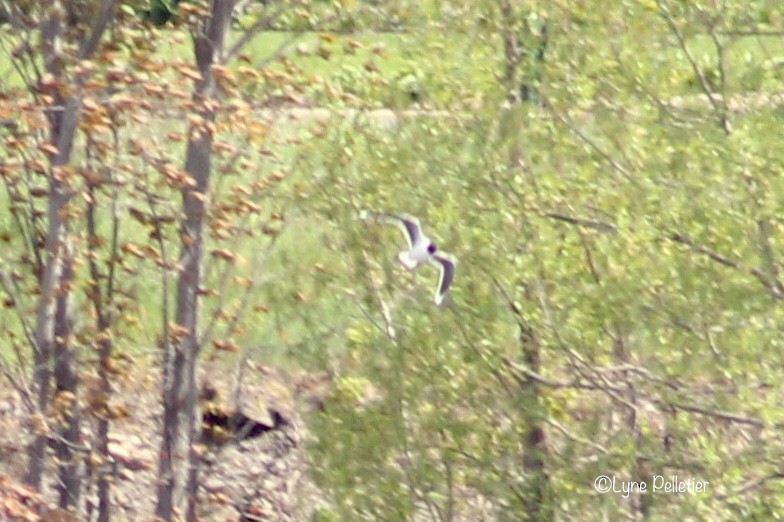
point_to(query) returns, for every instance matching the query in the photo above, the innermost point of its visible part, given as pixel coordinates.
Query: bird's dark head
(431, 248)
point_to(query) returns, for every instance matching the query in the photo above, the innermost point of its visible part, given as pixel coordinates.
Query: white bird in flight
(420, 249)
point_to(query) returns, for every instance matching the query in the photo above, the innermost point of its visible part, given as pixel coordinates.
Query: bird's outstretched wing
(408, 224)
(447, 264)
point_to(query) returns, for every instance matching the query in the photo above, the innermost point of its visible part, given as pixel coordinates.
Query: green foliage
(603, 151)
(629, 220)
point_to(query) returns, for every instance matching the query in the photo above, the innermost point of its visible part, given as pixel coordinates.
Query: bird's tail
(405, 259)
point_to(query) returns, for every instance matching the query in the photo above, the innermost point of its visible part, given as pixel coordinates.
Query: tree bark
(53, 300)
(66, 383)
(538, 506)
(536, 498)
(53, 317)
(102, 299)
(512, 55)
(523, 60)
(639, 503)
(179, 457)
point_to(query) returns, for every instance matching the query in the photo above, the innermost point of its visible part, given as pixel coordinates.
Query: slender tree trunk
(536, 492)
(523, 59)
(512, 55)
(102, 298)
(53, 328)
(639, 503)
(66, 385)
(179, 460)
(538, 506)
(102, 443)
(53, 297)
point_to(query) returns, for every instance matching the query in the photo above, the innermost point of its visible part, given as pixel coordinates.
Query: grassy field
(374, 69)
(423, 65)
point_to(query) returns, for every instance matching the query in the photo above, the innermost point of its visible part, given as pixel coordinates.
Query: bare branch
(105, 15)
(17, 64)
(751, 32)
(560, 427)
(752, 484)
(764, 230)
(11, 12)
(588, 141)
(724, 114)
(246, 295)
(719, 414)
(522, 374)
(261, 24)
(583, 222)
(386, 310)
(511, 304)
(716, 101)
(22, 388)
(773, 289)
(10, 288)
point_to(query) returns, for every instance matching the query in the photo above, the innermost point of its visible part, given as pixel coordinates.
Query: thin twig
(752, 484)
(10, 288)
(682, 238)
(583, 222)
(719, 414)
(247, 36)
(105, 15)
(718, 103)
(588, 141)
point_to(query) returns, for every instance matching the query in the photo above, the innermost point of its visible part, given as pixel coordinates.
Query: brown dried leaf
(225, 254)
(48, 148)
(227, 345)
(190, 73)
(177, 330)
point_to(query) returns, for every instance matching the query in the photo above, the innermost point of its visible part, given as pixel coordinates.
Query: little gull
(420, 249)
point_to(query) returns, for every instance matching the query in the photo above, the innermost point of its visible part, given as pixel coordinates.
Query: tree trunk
(66, 385)
(53, 302)
(536, 497)
(101, 300)
(537, 503)
(511, 51)
(523, 60)
(179, 460)
(53, 328)
(639, 503)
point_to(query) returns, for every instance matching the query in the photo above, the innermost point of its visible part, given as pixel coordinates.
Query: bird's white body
(417, 253)
(421, 249)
